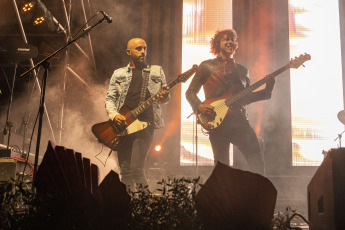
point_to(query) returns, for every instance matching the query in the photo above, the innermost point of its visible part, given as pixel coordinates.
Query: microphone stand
(196, 147)
(46, 66)
(339, 137)
(196, 141)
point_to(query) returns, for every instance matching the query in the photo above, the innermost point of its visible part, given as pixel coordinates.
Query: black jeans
(132, 156)
(236, 129)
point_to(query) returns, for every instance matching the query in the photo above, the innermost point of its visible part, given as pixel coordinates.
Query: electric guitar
(222, 104)
(110, 134)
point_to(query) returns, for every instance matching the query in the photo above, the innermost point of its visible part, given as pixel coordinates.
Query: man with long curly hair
(223, 76)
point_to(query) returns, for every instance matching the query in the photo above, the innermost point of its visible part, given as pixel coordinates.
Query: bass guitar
(222, 104)
(110, 134)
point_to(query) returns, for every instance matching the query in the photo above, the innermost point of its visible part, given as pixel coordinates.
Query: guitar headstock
(183, 77)
(298, 61)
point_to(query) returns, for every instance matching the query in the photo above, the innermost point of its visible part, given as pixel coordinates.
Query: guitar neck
(141, 108)
(256, 85)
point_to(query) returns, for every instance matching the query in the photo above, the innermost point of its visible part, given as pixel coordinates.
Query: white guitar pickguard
(221, 110)
(134, 127)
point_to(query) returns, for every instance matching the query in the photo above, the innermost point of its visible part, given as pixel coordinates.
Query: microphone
(109, 19)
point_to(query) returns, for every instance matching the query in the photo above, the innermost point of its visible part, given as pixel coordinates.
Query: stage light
(158, 148)
(39, 16)
(38, 20)
(27, 6)
(34, 11)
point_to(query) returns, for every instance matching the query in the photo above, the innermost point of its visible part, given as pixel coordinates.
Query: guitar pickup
(210, 126)
(115, 141)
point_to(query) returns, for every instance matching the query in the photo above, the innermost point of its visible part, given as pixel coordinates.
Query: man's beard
(140, 64)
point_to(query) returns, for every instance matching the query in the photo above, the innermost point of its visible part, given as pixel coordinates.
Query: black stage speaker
(236, 199)
(7, 169)
(326, 193)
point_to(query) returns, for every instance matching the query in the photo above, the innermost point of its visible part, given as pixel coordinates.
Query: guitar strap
(146, 76)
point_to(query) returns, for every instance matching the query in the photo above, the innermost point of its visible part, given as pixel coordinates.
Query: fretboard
(141, 108)
(256, 85)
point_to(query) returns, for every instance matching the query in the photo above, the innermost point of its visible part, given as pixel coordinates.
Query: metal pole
(40, 119)
(9, 124)
(27, 116)
(88, 36)
(68, 35)
(63, 97)
(196, 147)
(67, 32)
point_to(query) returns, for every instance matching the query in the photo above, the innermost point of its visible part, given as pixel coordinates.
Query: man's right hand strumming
(120, 120)
(207, 110)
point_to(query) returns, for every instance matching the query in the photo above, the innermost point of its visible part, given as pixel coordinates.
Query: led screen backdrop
(201, 18)
(316, 91)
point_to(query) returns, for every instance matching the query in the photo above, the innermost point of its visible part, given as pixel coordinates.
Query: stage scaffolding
(64, 28)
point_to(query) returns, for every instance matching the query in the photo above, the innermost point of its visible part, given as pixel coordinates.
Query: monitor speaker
(326, 193)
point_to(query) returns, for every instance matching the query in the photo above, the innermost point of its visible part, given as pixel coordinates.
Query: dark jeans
(132, 156)
(236, 129)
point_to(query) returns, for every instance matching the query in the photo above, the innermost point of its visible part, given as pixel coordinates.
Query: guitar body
(106, 134)
(110, 134)
(220, 109)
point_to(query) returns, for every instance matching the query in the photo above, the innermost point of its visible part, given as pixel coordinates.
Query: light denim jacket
(119, 85)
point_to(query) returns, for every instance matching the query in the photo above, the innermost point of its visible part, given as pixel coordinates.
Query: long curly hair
(215, 41)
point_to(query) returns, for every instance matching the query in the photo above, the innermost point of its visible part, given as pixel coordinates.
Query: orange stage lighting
(258, 129)
(158, 148)
(38, 20)
(27, 6)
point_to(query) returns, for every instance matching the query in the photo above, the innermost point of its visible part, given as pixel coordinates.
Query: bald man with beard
(128, 87)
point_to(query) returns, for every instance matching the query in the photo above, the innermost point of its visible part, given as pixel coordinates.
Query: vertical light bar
(201, 18)
(316, 90)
